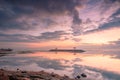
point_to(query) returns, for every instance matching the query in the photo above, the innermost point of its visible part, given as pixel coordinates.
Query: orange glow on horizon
(61, 44)
(102, 37)
(92, 39)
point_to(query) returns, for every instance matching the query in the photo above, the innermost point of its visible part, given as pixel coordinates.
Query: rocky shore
(30, 75)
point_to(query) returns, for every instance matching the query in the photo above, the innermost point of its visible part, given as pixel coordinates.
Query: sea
(96, 64)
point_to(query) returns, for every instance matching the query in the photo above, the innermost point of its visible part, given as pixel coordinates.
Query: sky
(45, 24)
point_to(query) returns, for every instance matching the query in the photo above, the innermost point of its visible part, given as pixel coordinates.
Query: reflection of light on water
(65, 63)
(36, 67)
(102, 62)
(91, 75)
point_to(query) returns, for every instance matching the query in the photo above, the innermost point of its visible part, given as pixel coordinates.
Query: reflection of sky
(96, 66)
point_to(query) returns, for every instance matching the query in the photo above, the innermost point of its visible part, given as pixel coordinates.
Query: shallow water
(97, 65)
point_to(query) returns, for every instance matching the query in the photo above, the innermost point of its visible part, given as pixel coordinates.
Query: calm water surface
(98, 65)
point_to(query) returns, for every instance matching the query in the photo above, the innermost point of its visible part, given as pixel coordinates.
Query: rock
(52, 74)
(54, 78)
(77, 77)
(13, 77)
(37, 79)
(27, 75)
(83, 75)
(24, 79)
(4, 78)
(3, 75)
(65, 78)
(23, 71)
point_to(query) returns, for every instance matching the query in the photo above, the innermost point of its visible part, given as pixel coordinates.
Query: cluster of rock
(29, 75)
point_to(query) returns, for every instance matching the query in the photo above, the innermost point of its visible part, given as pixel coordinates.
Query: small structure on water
(67, 50)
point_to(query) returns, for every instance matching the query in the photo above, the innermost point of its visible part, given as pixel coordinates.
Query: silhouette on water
(78, 77)
(74, 50)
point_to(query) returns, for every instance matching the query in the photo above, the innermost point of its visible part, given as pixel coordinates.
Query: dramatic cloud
(76, 24)
(99, 15)
(12, 10)
(113, 21)
(117, 13)
(41, 20)
(32, 14)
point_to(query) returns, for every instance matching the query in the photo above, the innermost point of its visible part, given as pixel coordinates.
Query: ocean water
(97, 65)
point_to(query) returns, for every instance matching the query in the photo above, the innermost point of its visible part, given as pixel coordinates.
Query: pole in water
(74, 48)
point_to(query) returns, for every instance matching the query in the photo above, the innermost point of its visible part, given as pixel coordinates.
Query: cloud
(111, 22)
(48, 16)
(12, 10)
(56, 35)
(116, 42)
(16, 38)
(51, 35)
(107, 4)
(116, 13)
(76, 24)
(9, 15)
(50, 6)
(112, 45)
(76, 39)
(99, 15)
(48, 23)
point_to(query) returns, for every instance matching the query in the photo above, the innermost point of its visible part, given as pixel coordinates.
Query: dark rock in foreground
(30, 75)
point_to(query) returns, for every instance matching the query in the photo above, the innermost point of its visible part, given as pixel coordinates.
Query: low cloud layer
(56, 35)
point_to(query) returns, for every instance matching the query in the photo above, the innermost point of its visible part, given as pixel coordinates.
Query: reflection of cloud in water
(113, 53)
(106, 74)
(24, 61)
(91, 75)
(116, 55)
(71, 67)
(54, 64)
(77, 60)
(94, 73)
(36, 67)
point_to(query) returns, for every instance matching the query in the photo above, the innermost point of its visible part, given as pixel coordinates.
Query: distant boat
(66, 50)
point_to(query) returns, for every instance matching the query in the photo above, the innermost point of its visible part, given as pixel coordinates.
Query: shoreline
(30, 75)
